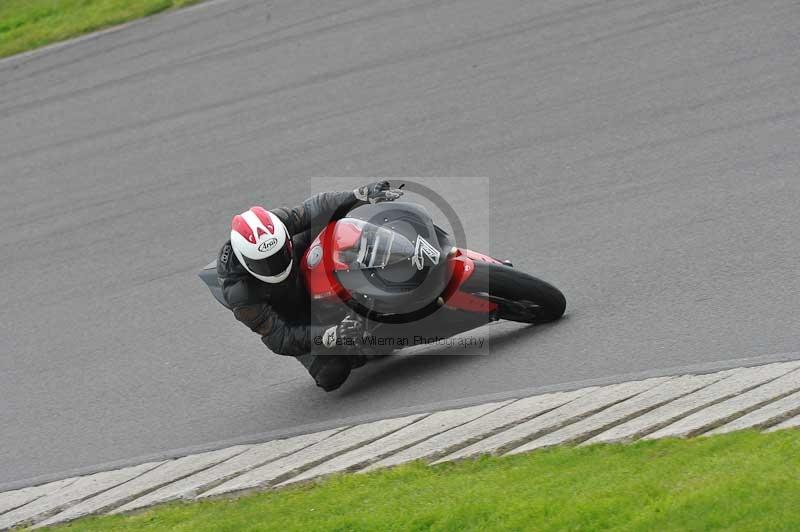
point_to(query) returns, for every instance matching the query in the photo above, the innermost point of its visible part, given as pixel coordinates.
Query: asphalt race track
(641, 155)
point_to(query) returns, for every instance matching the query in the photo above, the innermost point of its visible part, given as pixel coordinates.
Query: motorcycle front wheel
(519, 296)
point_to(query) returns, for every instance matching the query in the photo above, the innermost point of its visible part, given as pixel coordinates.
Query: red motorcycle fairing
(322, 283)
(462, 265)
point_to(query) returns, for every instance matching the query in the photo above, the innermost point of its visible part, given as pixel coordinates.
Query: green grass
(28, 24)
(741, 481)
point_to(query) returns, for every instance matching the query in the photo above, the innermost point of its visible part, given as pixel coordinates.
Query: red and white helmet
(262, 244)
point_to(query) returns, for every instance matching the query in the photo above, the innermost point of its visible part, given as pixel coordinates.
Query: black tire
(519, 296)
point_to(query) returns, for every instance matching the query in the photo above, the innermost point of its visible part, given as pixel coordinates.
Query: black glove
(377, 192)
(349, 333)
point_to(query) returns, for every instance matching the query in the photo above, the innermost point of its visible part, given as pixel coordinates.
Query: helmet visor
(273, 265)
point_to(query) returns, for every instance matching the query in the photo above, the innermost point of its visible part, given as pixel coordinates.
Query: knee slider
(331, 372)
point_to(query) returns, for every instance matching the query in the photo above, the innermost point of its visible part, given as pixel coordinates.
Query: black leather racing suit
(281, 312)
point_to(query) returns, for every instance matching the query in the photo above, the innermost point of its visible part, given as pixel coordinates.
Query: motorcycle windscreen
(359, 245)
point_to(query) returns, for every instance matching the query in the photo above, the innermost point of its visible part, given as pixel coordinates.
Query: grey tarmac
(510, 427)
(642, 159)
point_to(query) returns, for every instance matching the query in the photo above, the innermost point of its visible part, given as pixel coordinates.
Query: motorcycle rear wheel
(519, 296)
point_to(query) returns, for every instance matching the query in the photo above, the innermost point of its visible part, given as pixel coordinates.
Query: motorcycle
(392, 266)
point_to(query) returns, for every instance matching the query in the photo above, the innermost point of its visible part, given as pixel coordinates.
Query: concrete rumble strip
(765, 397)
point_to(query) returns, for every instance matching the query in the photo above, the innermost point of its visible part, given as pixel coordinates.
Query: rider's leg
(329, 371)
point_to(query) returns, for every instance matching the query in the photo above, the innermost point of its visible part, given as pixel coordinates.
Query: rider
(258, 272)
